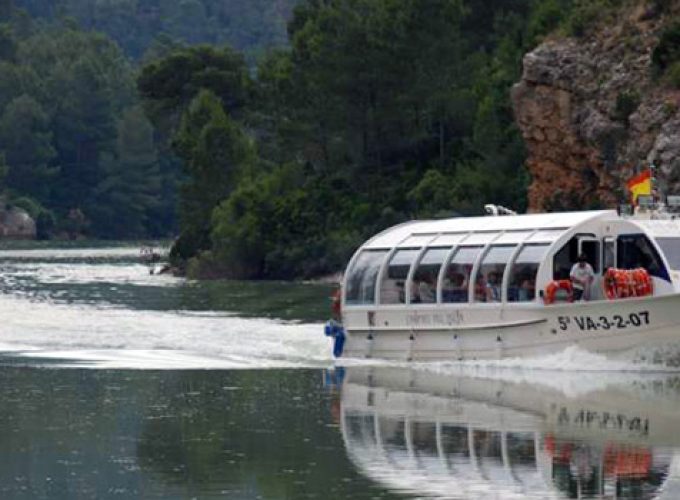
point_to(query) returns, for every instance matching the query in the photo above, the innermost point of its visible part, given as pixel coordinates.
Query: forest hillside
(77, 151)
(273, 137)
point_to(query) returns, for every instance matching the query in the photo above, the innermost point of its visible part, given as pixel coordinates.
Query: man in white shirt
(582, 275)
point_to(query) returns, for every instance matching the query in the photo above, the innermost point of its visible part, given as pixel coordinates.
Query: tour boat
(451, 436)
(498, 286)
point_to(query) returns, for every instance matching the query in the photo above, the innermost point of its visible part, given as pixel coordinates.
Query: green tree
(216, 152)
(121, 203)
(169, 85)
(26, 138)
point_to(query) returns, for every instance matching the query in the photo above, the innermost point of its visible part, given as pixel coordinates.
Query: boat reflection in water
(452, 436)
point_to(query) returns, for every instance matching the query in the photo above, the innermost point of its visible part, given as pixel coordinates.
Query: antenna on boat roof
(492, 209)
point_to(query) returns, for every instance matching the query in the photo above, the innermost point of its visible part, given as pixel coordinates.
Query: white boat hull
(648, 327)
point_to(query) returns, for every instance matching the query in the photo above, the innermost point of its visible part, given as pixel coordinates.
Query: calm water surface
(121, 384)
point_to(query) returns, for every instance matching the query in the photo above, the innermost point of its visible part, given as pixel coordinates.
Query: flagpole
(652, 183)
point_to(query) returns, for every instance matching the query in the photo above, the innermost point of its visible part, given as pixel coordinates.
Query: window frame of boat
(664, 273)
(487, 250)
(597, 266)
(467, 239)
(389, 264)
(664, 253)
(416, 268)
(512, 264)
(401, 245)
(518, 243)
(445, 265)
(607, 240)
(563, 242)
(449, 261)
(428, 239)
(350, 268)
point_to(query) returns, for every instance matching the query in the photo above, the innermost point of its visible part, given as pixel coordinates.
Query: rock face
(16, 224)
(592, 113)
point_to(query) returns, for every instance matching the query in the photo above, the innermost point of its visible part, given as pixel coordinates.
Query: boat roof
(661, 228)
(399, 235)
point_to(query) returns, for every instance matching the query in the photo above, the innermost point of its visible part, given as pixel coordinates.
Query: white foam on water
(120, 338)
(83, 273)
(573, 371)
(84, 253)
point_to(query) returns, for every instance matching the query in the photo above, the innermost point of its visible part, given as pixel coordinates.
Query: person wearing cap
(582, 275)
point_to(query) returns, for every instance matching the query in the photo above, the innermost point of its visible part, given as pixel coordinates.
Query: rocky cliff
(593, 110)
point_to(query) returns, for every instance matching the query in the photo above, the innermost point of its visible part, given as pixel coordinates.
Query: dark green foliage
(169, 85)
(248, 25)
(674, 74)
(662, 5)
(130, 183)
(216, 155)
(8, 44)
(73, 137)
(27, 142)
(668, 50)
(586, 14)
(380, 111)
(626, 103)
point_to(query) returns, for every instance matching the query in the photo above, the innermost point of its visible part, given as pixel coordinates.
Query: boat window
(591, 247)
(512, 237)
(360, 287)
(546, 235)
(608, 253)
(481, 238)
(392, 289)
(671, 249)
(455, 286)
(635, 250)
(565, 259)
(490, 275)
(424, 288)
(448, 239)
(416, 241)
(522, 283)
(455, 442)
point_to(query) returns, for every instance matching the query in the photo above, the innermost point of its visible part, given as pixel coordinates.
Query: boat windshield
(522, 283)
(671, 249)
(393, 282)
(360, 286)
(635, 250)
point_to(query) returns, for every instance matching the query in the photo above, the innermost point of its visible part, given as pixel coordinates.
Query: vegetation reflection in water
(171, 434)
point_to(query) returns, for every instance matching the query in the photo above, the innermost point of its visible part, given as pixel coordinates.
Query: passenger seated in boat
(581, 276)
(455, 288)
(527, 289)
(392, 292)
(493, 287)
(426, 288)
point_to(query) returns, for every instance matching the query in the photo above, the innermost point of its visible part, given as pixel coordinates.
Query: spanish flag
(641, 184)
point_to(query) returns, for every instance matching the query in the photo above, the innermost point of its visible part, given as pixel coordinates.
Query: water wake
(118, 338)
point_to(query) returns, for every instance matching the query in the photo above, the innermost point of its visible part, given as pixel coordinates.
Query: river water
(121, 384)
